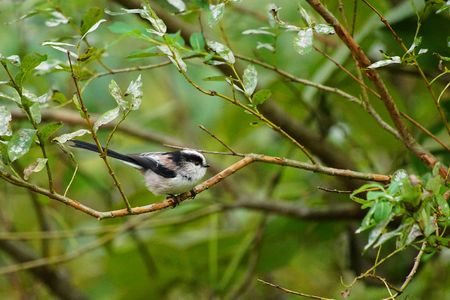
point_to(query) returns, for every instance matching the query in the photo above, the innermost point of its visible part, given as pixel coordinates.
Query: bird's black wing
(148, 163)
(140, 161)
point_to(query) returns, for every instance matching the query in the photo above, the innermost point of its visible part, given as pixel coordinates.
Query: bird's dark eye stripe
(193, 158)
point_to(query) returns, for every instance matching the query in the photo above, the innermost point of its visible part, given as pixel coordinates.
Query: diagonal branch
(246, 160)
(385, 96)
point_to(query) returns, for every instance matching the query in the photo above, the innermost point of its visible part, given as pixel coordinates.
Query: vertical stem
(101, 150)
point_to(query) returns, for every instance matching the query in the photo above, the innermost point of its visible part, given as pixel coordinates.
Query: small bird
(168, 173)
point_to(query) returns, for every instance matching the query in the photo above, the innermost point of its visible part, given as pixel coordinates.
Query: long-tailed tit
(168, 173)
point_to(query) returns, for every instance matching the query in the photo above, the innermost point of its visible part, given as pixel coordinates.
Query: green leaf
(20, 143)
(250, 79)
(434, 184)
(93, 28)
(178, 4)
(385, 62)
(91, 53)
(49, 129)
(116, 93)
(324, 29)
(175, 39)
(197, 42)
(14, 98)
(59, 97)
(57, 19)
(216, 13)
(443, 206)
(107, 117)
(174, 57)
(376, 233)
(223, 51)
(92, 16)
(375, 195)
(303, 42)
(5, 119)
(382, 211)
(37, 99)
(35, 167)
(261, 96)
(68, 136)
(35, 112)
(29, 63)
(305, 16)
(387, 236)
(135, 91)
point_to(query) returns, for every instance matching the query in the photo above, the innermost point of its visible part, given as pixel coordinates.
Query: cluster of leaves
(420, 206)
(413, 52)
(303, 41)
(16, 143)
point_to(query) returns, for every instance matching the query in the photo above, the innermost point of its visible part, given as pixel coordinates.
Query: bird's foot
(175, 200)
(193, 194)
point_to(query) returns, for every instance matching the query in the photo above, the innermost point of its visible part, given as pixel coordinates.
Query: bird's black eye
(197, 163)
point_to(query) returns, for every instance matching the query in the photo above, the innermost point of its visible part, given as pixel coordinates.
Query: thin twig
(415, 267)
(95, 138)
(216, 138)
(169, 202)
(293, 292)
(426, 131)
(326, 88)
(415, 62)
(385, 96)
(325, 189)
(35, 126)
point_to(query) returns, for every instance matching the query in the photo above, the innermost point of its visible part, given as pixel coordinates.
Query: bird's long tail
(110, 153)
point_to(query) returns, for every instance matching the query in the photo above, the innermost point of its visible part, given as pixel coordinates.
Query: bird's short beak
(206, 166)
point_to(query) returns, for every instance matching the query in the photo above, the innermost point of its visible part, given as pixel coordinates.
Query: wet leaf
(93, 28)
(178, 4)
(147, 13)
(385, 62)
(107, 117)
(68, 136)
(174, 57)
(303, 41)
(5, 120)
(267, 46)
(223, 51)
(135, 90)
(20, 143)
(90, 18)
(57, 19)
(116, 93)
(257, 31)
(216, 13)
(35, 112)
(324, 29)
(250, 79)
(305, 16)
(35, 167)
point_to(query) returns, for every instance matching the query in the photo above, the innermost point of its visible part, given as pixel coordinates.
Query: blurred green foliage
(201, 250)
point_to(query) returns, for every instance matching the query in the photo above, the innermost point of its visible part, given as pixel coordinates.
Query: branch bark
(385, 96)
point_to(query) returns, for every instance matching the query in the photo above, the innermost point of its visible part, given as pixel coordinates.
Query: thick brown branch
(385, 96)
(169, 202)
